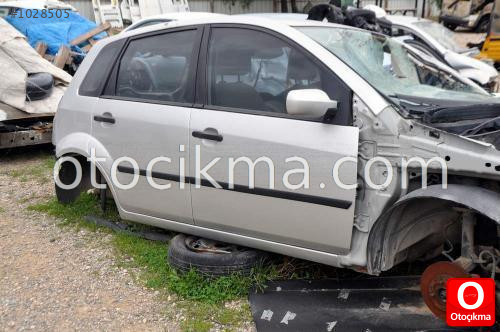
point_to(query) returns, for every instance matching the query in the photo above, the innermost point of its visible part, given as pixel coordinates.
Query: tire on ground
(67, 175)
(212, 264)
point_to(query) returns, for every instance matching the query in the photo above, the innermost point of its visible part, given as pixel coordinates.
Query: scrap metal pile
(21, 66)
(360, 18)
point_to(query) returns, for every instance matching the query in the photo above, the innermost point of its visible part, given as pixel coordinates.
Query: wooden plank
(86, 48)
(69, 60)
(41, 48)
(61, 57)
(88, 35)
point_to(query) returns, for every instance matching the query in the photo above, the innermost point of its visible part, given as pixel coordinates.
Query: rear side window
(93, 83)
(157, 68)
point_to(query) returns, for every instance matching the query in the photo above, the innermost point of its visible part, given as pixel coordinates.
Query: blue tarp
(53, 31)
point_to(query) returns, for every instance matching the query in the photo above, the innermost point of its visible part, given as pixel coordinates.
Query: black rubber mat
(372, 304)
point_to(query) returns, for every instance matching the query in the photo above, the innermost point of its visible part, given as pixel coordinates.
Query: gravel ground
(53, 278)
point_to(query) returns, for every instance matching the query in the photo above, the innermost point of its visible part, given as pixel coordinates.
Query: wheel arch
(80, 145)
(389, 235)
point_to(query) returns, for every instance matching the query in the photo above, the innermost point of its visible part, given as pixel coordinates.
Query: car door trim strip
(332, 202)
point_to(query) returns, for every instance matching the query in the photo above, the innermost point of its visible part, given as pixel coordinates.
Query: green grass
(203, 316)
(2, 210)
(203, 298)
(71, 214)
(41, 172)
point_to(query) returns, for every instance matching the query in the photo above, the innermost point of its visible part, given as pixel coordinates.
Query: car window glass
(253, 70)
(387, 65)
(157, 67)
(96, 76)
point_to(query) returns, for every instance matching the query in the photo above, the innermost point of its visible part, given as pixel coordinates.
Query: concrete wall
(84, 7)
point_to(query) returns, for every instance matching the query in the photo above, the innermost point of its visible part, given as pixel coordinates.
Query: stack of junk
(37, 58)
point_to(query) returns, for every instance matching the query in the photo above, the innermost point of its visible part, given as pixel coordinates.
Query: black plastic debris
(372, 304)
(124, 228)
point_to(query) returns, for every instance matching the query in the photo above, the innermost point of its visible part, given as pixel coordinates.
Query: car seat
(234, 63)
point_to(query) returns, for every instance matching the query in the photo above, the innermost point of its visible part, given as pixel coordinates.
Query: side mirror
(311, 102)
(39, 86)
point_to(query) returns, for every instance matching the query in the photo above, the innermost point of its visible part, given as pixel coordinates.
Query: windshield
(388, 66)
(441, 34)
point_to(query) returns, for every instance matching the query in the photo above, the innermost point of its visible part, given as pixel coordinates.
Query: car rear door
(143, 117)
(244, 134)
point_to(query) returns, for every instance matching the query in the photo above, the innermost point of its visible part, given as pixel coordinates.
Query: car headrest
(300, 67)
(269, 53)
(233, 62)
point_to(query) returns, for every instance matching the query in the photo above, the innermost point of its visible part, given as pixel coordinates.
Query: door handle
(204, 135)
(107, 119)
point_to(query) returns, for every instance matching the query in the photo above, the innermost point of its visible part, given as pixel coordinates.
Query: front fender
(400, 220)
(479, 199)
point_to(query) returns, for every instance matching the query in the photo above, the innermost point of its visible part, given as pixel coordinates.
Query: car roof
(173, 16)
(180, 16)
(278, 16)
(254, 20)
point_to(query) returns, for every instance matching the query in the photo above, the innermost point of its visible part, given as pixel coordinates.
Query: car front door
(258, 171)
(144, 116)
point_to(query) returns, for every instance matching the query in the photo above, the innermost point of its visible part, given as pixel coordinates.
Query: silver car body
(167, 17)
(478, 71)
(337, 233)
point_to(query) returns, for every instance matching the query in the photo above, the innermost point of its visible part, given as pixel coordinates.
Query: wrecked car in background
(436, 40)
(30, 91)
(471, 14)
(354, 99)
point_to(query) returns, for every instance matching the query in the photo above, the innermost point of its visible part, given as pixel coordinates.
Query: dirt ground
(53, 278)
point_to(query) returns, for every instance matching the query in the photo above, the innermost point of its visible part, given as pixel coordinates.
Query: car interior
(151, 71)
(260, 80)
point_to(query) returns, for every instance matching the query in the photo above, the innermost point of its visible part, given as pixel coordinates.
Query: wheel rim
(198, 244)
(433, 285)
